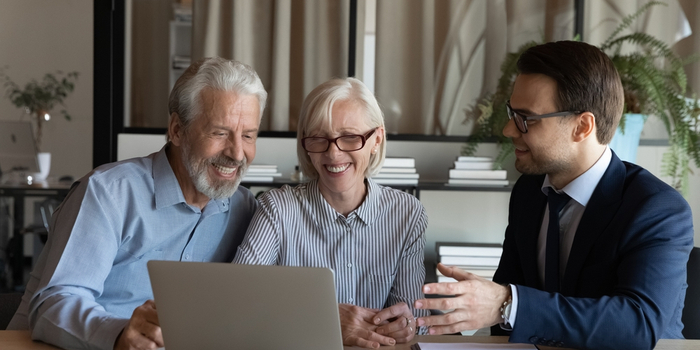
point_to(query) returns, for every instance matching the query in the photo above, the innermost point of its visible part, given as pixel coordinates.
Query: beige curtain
(435, 58)
(294, 45)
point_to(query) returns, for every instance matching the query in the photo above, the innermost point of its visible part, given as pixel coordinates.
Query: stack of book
(480, 259)
(397, 171)
(476, 171)
(261, 173)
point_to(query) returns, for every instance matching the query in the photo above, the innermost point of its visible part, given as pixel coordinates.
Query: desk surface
(20, 340)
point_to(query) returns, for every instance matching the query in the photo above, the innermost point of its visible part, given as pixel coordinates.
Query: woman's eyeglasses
(345, 143)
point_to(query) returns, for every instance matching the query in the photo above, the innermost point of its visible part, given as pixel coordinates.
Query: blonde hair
(316, 111)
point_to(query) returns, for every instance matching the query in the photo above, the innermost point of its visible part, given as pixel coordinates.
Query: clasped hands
(371, 328)
(476, 304)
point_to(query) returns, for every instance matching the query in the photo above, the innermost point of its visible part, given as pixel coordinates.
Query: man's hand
(358, 327)
(477, 302)
(402, 326)
(142, 331)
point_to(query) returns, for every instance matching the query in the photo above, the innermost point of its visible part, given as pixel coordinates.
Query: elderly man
(90, 288)
(596, 249)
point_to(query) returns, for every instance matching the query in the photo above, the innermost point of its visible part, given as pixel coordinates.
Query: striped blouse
(376, 252)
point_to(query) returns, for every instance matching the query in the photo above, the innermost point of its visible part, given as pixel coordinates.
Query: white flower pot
(44, 166)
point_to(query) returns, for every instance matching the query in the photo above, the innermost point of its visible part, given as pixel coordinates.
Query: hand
(142, 331)
(477, 302)
(402, 326)
(358, 327)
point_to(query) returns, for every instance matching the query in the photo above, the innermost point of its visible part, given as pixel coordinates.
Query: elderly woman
(370, 235)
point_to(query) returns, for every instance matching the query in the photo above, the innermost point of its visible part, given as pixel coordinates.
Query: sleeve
(261, 245)
(71, 271)
(648, 293)
(410, 275)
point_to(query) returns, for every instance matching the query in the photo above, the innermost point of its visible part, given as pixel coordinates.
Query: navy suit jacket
(625, 280)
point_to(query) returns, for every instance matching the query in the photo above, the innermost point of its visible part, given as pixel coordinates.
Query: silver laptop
(17, 147)
(229, 306)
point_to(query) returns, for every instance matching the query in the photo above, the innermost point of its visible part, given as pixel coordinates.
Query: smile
(224, 170)
(338, 168)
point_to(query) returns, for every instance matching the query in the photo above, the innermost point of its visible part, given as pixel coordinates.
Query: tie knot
(557, 201)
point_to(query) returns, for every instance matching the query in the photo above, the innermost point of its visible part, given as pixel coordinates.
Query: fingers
(400, 309)
(368, 339)
(404, 335)
(143, 330)
(455, 272)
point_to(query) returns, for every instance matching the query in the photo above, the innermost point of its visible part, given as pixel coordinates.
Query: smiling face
(547, 147)
(343, 173)
(218, 145)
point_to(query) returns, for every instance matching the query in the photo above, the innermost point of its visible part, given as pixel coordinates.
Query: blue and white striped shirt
(376, 251)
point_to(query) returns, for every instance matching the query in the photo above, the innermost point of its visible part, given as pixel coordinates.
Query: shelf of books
(476, 171)
(480, 259)
(397, 171)
(261, 173)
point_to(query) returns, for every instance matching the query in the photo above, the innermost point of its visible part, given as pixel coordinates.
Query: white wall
(38, 37)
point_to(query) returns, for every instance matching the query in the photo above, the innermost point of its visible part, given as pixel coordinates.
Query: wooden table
(20, 340)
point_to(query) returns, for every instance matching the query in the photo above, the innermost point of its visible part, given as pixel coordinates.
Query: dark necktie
(556, 203)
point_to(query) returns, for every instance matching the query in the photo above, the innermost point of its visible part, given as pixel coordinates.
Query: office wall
(38, 37)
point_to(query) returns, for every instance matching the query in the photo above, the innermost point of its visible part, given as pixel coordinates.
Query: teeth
(337, 169)
(224, 170)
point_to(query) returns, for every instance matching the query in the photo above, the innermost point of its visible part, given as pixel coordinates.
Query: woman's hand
(396, 322)
(358, 327)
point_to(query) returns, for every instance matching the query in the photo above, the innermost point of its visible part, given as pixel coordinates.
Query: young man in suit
(607, 272)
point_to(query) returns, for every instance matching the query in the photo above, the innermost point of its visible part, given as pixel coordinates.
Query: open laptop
(17, 147)
(230, 306)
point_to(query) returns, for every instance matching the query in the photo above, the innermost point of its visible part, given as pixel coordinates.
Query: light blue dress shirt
(92, 273)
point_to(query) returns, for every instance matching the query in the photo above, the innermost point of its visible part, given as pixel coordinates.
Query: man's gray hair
(215, 73)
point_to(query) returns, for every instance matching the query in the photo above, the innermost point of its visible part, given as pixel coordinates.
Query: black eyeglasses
(521, 120)
(345, 143)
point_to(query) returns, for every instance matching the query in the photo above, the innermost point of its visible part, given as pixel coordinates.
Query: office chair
(42, 219)
(691, 311)
(9, 302)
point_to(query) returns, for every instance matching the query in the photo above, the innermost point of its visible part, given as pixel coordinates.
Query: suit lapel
(530, 219)
(599, 212)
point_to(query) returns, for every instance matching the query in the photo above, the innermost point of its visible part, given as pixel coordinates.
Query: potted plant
(654, 83)
(37, 99)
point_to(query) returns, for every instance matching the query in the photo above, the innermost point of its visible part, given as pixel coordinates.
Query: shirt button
(187, 256)
(349, 265)
(351, 300)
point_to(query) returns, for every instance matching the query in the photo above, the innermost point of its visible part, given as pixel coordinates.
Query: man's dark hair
(587, 81)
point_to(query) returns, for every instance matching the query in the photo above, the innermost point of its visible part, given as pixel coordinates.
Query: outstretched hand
(477, 302)
(143, 330)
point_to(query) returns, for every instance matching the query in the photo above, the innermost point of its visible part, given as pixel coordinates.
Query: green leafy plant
(38, 98)
(654, 83)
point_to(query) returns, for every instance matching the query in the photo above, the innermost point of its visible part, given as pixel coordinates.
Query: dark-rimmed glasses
(521, 119)
(345, 143)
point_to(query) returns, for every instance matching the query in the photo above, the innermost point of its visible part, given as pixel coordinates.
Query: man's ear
(175, 129)
(585, 127)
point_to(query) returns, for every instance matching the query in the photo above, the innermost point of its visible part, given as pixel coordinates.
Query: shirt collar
(366, 212)
(167, 188)
(581, 188)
